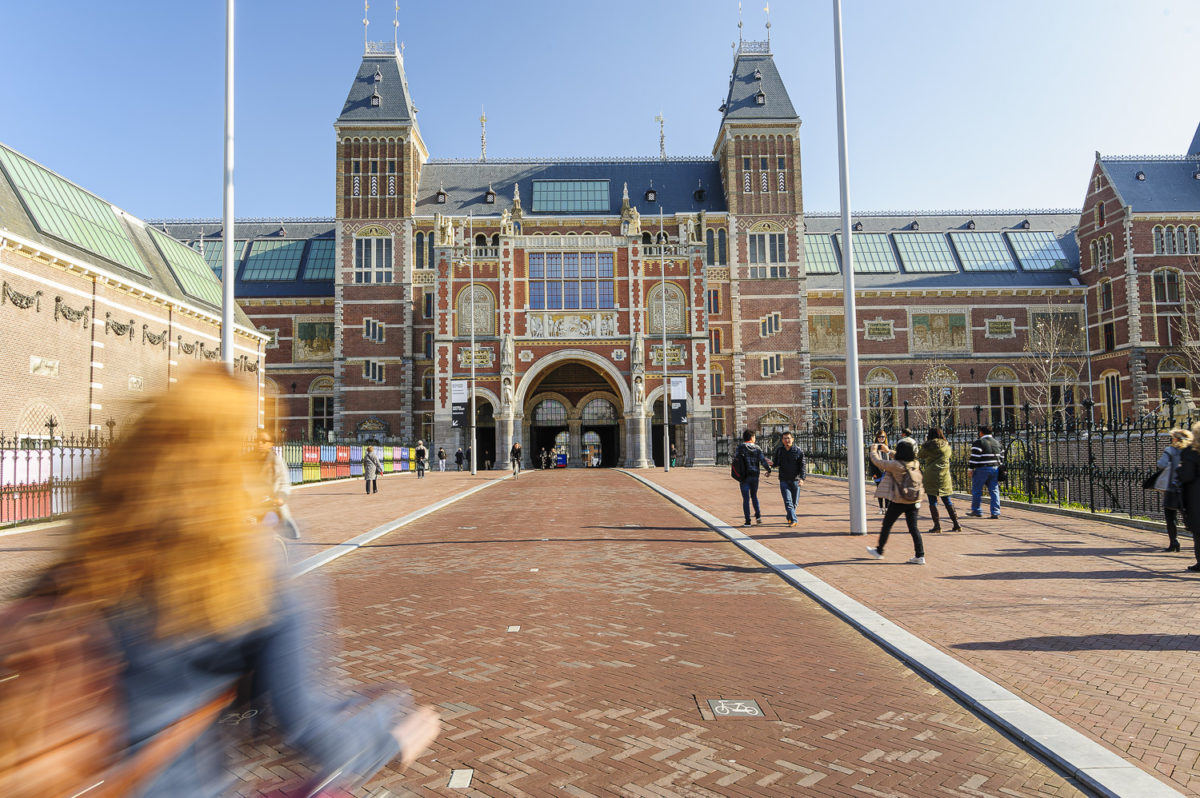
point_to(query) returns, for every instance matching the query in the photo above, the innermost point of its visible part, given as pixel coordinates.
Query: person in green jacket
(935, 465)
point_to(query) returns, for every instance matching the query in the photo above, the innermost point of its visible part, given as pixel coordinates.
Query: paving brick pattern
(1089, 621)
(631, 614)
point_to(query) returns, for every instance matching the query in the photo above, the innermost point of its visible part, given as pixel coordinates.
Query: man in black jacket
(753, 463)
(987, 455)
(789, 462)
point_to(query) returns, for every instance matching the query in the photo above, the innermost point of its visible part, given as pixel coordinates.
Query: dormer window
(915, 225)
(1025, 225)
(651, 195)
(760, 98)
(971, 224)
(758, 74)
(723, 108)
(490, 196)
(375, 99)
(698, 195)
(440, 196)
(1140, 175)
(378, 75)
(857, 226)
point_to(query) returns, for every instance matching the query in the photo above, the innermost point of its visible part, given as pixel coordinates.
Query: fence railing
(40, 477)
(1096, 467)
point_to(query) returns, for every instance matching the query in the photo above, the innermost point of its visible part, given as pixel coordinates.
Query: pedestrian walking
(458, 458)
(902, 483)
(514, 459)
(279, 486)
(984, 471)
(470, 463)
(752, 462)
(441, 455)
(789, 466)
(192, 605)
(934, 458)
(907, 435)
(371, 469)
(1169, 482)
(422, 458)
(674, 455)
(544, 459)
(875, 472)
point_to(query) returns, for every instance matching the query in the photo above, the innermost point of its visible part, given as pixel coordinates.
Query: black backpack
(737, 467)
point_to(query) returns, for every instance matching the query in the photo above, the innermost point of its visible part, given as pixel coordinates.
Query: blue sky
(952, 104)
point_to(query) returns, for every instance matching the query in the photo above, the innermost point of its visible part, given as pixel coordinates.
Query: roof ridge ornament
(662, 138)
(767, 8)
(482, 133)
(366, 23)
(396, 27)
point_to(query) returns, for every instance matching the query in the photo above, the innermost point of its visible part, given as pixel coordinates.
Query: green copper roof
(189, 269)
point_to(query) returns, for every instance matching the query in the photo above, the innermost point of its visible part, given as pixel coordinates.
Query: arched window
(480, 240)
(1063, 398)
(320, 408)
(661, 238)
(484, 312)
(1159, 245)
(722, 257)
(1169, 240)
(716, 381)
(1112, 397)
(1173, 377)
(1106, 295)
(647, 238)
(599, 411)
(1193, 240)
(676, 310)
(1166, 286)
(1108, 249)
(824, 392)
(1094, 249)
(419, 250)
(373, 256)
(1181, 244)
(495, 239)
(549, 413)
(881, 399)
(710, 239)
(941, 396)
(427, 385)
(1099, 214)
(1002, 397)
(429, 264)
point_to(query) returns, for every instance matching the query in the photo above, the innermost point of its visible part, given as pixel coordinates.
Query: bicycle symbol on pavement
(732, 707)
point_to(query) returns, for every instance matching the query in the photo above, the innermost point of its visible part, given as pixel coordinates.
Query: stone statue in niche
(639, 392)
(506, 353)
(636, 354)
(507, 393)
(537, 327)
(506, 226)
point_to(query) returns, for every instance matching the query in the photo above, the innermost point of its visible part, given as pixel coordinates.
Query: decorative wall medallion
(482, 355)
(879, 330)
(70, 314)
(602, 324)
(526, 356)
(675, 355)
(136, 383)
(43, 366)
(23, 301)
(618, 355)
(1000, 327)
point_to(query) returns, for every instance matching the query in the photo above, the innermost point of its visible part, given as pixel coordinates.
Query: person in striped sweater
(984, 471)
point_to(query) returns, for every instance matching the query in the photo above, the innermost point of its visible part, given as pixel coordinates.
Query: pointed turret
(1194, 147)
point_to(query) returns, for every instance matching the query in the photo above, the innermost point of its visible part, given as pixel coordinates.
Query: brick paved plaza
(572, 627)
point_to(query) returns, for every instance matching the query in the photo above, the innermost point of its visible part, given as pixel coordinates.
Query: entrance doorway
(600, 434)
(485, 434)
(678, 438)
(549, 429)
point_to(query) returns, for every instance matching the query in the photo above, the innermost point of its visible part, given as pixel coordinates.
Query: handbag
(1173, 499)
(1148, 482)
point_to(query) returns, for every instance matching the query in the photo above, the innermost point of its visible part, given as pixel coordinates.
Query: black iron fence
(1096, 467)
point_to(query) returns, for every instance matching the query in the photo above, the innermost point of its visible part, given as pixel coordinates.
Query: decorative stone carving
(154, 340)
(22, 301)
(526, 356)
(483, 356)
(506, 355)
(879, 329)
(1000, 327)
(639, 392)
(484, 312)
(69, 313)
(506, 394)
(117, 328)
(636, 353)
(676, 355)
(136, 383)
(187, 349)
(618, 355)
(602, 324)
(676, 319)
(206, 353)
(506, 224)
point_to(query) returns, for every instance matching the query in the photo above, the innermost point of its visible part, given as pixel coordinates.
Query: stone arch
(555, 359)
(767, 227)
(588, 398)
(1173, 365)
(321, 385)
(1002, 374)
(880, 376)
(33, 417)
(657, 394)
(529, 406)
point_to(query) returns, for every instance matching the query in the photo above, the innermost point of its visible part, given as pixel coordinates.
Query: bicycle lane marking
(1103, 771)
(353, 544)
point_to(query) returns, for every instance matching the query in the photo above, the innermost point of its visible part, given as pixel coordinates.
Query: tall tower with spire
(380, 156)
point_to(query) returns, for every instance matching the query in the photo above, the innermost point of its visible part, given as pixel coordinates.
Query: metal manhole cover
(735, 708)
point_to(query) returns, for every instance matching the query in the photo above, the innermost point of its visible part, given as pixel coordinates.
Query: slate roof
(740, 103)
(1194, 147)
(1170, 184)
(395, 104)
(189, 232)
(1062, 224)
(675, 180)
(15, 219)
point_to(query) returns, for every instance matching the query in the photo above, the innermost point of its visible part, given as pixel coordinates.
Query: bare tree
(943, 394)
(1054, 348)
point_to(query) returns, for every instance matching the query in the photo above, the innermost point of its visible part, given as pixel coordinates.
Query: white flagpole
(228, 269)
(666, 380)
(854, 430)
(470, 242)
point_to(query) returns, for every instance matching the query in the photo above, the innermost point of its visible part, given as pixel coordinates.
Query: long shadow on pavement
(1098, 642)
(1128, 575)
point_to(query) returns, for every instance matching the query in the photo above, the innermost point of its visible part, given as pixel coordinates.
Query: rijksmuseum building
(566, 275)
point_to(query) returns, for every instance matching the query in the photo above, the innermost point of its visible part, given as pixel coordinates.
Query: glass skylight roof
(273, 259)
(319, 263)
(819, 257)
(214, 253)
(983, 252)
(872, 253)
(1038, 251)
(925, 253)
(64, 210)
(190, 270)
(564, 196)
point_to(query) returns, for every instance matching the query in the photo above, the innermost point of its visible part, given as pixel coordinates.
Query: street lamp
(662, 253)
(470, 245)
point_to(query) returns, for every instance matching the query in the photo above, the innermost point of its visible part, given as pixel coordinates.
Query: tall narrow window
(714, 301)
(372, 260)
(710, 239)
(1112, 397)
(419, 249)
(1166, 287)
(1106, 295)
(714, 341)
(1159, 242)
(722, 256)
(429, 346)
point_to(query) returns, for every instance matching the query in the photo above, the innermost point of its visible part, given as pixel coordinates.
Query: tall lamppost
(470, 244)
(662, 252)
